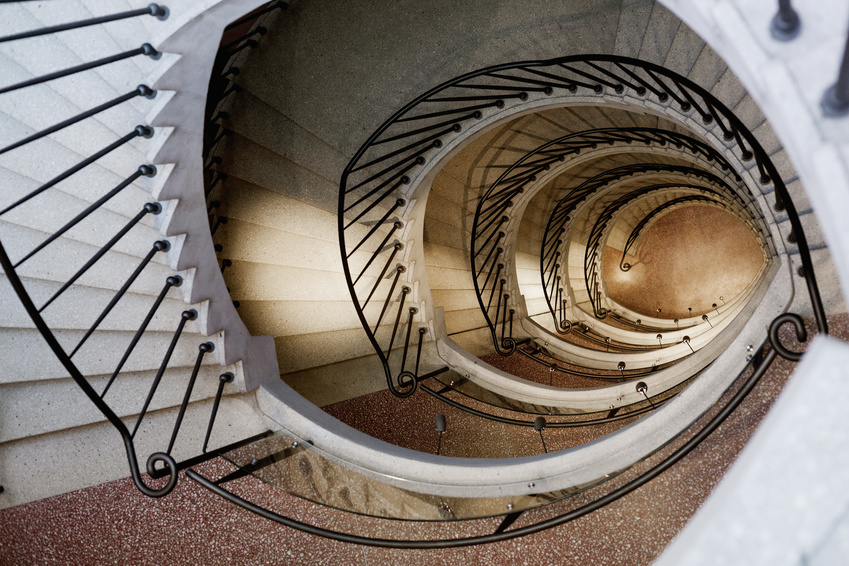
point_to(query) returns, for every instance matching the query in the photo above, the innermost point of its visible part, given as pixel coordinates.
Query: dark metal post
(222, 380)
(539, 424)
(835, 101)
(785, 24)
(642, 389)
(439, 420)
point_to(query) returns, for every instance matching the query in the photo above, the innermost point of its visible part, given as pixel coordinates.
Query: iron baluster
(202, 350)
(257, 31)
(395, 206)
(156, 10)
(141, 90)
(172, 281)
(453, 121)
(224, 379)
(432, 141)
(184, 318)
(835, 101)
(144, 170)
(404, 292)
(413, 311)
(476, 107)
(145, 49)
(143, 131)
(150, 208)
(395, 250)
(398, 271)
(785, 25)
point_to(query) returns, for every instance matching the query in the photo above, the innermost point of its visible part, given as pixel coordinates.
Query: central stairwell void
(582, 255)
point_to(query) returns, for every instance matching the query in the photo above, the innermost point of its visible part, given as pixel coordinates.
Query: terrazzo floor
(689, 258)
(115, 524)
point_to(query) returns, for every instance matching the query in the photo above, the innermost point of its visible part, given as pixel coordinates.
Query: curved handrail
(159, 464)
(637, 230)
(493, 206)
(376, 177)
(501, 534)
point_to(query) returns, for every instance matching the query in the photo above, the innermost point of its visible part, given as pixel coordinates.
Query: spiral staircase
(179, 181)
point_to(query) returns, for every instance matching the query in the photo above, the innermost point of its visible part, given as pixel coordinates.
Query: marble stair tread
(126, 396)
(101, 442)
(81, 306)
(100, 355)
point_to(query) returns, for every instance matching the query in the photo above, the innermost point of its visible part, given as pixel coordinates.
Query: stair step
(659, 34)
(60, 260)
(261, 166)
(685, 51)
(257, 205)
(100, 355)
(42, 407)
(708, 68)
(288, 318)
(633, 20)
(30, 464)
(75, 194)
(265, 126)
(80, 307)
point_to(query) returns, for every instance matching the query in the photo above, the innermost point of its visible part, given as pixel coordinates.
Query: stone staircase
(294, 123)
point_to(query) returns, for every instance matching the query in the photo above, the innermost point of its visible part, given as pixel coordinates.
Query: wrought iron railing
(758, 364)
(495, 204)
(552, 270)
(373, 189)
(372, 182)
(15, 261)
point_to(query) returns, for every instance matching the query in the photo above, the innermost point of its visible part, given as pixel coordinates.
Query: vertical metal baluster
(184, 318)
(422, 332)
(404, 292)
(835, 101)
(202, 350)
(413, 311)
(785, 24)
(224, 379)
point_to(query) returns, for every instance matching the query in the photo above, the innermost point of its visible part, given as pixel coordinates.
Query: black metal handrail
(491, 213)
(372, 186)
(548, 423)
(159, 464)
(567, 367)
(760, 364)
(553, 235)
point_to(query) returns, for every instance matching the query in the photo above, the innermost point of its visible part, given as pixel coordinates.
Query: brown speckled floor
(689, 258)
(114, 524)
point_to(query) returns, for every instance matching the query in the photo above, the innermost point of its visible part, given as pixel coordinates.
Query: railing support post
(835, 101)
(786, 24)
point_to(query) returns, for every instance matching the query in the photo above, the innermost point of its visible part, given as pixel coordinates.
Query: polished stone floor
(690, 257)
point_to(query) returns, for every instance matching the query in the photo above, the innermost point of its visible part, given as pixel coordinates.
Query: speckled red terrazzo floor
(114, 524)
